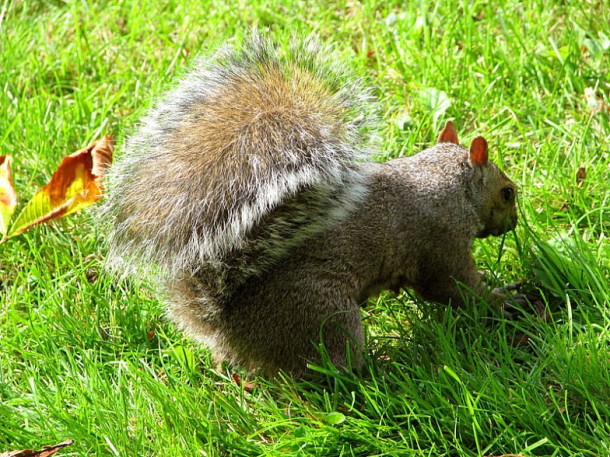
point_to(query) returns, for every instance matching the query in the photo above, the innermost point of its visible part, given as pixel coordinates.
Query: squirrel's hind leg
(267, 328)
(278, 328)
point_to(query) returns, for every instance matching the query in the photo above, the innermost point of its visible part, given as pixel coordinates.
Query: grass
(89, 358)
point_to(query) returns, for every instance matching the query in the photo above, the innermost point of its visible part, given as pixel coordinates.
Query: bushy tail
(252, 152)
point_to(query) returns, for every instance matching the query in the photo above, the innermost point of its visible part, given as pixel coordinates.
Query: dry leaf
(76, 184)
(248, 385)
(594, 103)
(581, 175)
(46, 451)
(8, 195)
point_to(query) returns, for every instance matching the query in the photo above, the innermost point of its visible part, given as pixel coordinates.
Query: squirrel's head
(495, 193)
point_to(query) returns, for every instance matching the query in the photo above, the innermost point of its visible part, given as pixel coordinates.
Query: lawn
(90, 357)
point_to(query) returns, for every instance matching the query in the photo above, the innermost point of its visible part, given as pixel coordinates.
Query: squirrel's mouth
(509, 224)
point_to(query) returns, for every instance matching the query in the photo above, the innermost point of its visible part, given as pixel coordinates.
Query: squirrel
(250, 185)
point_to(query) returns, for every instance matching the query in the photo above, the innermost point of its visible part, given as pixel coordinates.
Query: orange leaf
(76, 184)
(8, 195)
(46, 451)
(248, 385)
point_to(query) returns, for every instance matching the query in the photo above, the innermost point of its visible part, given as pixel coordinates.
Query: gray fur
(415, 229)
(246, 186)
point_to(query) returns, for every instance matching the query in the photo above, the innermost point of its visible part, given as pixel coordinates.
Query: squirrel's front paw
(507, 301)
(510, 287)
(512, 303)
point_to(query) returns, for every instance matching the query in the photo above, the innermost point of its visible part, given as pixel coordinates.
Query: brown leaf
(581, 175)
(76, 184)
(8, 195)
(248, 385)
(46, 451)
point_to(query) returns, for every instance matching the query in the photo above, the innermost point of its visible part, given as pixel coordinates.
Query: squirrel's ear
(448, 135)
(478, 151)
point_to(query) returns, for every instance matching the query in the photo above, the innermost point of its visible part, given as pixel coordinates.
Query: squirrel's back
(240, 161)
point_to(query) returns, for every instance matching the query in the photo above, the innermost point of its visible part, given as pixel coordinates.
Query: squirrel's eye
(508, 194)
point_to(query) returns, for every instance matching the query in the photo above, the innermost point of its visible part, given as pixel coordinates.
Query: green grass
(86, 357)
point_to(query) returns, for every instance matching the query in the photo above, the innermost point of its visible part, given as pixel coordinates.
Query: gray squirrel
(250, 187)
